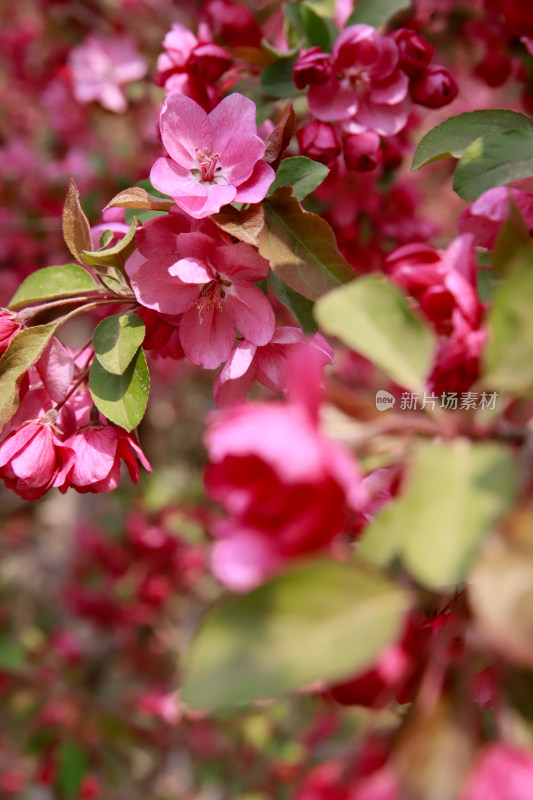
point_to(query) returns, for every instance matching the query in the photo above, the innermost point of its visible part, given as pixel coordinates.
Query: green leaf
(300, 172)
(113, 256)
(319, 620)
(494, 160)
(509, 353)
(301, 247)
(121, 398)
(373, 317)
(311, 27)
(54, 282)
(276, 78)
(105, 238)
(116, 341)
(452, 137)
(301, 307)
(456, 493)
(24, 350)
(512, 238)
(376, 12)
(72, 766)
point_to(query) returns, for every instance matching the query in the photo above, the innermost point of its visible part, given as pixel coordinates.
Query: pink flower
(286, 487)
(94, 464)
(10, 325)
(101, 66)
(415, 51)
(267, 365)
(444, 283)
(211, 284)
(197, 61)
(32, 459)
(214, 158)
(370, 91)
(487, 215)
(503, 771)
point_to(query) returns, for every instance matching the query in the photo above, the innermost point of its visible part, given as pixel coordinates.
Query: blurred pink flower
(214, 158)
(503, 771)
(101, 66)
(487, 215)
(32, 459)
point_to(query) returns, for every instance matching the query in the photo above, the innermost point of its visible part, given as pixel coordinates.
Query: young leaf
(300, 172)
(301, 247)
(24, 350)
(319, 620)
(373, 317)
(116, 341)
(494, 160)
(54, 282)
(301, 307)
(509, 352)
(121, 398)
(278, 140)
(276, 78)
(72, 766)
(376, 12)
(113, 256)
(456, 492)
(76, 228)
(454, 135)
(243, 225)
(135, 197)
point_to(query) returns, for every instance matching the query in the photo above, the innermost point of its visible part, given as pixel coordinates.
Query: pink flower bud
(362, 151)
(10, 325)
(415, 51)
(312, 67)
(319, 141)
(434, 89)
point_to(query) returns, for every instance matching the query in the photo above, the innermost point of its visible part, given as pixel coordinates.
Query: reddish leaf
(278, 140)
(76, 228)
(135, 197)
(243, 225)
(301, 247)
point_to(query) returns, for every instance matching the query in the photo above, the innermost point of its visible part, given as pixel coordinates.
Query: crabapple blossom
(101, 66)
(33, 459)
(362, 151)
(486, 216)
(368, 90)
(267, 365)
(501, 771)
(286, 486)
(94, 463)
(190, 65)
(211, 284)
(213, 159)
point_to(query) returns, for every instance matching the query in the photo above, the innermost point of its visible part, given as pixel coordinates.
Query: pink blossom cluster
(54, 439)
(367, 85)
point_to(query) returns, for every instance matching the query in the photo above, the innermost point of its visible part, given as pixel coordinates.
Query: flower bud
(362, 151)
(319, 141)
(415, 52)
(312, 67)
(435, 88)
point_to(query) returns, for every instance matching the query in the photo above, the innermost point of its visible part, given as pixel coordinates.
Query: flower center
(207, 161)
(212, 295)
(359, 80)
